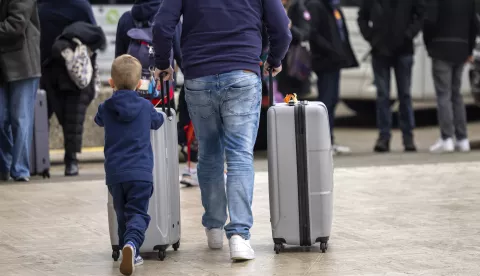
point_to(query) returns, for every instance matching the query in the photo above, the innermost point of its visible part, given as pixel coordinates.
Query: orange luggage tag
(291, 99)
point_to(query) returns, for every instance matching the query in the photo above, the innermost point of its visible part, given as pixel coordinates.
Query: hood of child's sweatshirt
(125, 104)
(145, 10)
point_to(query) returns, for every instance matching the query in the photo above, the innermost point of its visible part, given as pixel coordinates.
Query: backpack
(78, 63)
(141, 47)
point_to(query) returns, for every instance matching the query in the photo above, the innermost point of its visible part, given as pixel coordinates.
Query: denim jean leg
(22, 99)
(202, 97)
(381, 70)
(240, 113)
(403, 75)
(6, 143)
(328, 93)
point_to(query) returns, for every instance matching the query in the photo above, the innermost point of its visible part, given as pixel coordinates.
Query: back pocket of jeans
(243, 100)
(199, 103)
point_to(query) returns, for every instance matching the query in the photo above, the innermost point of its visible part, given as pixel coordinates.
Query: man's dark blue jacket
(221, 36)
(128, 119)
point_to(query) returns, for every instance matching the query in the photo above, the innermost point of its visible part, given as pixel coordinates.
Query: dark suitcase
(40, 149)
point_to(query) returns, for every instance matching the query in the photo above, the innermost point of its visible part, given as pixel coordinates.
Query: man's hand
(168, 74)
(275, 71)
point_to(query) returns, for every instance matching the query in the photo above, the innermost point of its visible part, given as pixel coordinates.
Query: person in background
(68, 102)
(221, 48)
(19, 77)
(300, 28)
(450, 32)
(331, 52)
(390, 27)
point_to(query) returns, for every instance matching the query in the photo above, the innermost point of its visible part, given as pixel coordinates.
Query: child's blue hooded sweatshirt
(128, 119)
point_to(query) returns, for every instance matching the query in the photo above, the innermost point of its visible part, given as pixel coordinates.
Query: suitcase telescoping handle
(271, 100)
(165, 106)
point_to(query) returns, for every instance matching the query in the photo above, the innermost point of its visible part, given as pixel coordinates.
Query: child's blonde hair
(126, 72)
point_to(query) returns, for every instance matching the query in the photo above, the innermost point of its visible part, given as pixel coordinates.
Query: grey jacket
(19, 40)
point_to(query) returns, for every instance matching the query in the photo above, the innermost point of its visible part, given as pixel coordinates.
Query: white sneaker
(214, 238)
(463, 145)
(337, 149)
(442, 146)
(189, 177)
(240, 249)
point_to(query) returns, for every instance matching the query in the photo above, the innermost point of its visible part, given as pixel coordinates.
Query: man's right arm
(364, 19)
(276, 21)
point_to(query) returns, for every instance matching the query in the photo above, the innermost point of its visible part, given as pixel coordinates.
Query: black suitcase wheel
(115, 255)
(46, 174)
(162, 255)
(323, 247)
(278, 248)
(176, 246)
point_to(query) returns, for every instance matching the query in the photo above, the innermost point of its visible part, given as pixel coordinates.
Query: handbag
(78, 64)
(299, 61)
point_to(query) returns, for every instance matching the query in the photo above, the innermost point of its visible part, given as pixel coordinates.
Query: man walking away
(221, 48)
(450, 32)
(390, 26)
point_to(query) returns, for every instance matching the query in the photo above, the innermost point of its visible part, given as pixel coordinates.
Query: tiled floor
(401, 220)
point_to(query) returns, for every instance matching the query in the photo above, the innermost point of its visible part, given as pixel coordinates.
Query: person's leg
(22, 113)
(328, 94)
(240, 113)
(137, 196)
(119, 205)
(5, 135)
(381, 69)
(403, 76)
(442, 77)
(202, 96)
(458, 106)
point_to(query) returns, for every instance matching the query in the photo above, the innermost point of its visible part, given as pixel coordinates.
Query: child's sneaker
(127, 267)
(138, 260)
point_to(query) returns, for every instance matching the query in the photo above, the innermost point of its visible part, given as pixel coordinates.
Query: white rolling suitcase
(300, 170)
(164, 206)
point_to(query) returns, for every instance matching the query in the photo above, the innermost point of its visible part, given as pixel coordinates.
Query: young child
(128, 119)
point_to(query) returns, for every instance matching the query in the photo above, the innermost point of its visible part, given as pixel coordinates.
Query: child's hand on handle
(268, 67)
(167, 74)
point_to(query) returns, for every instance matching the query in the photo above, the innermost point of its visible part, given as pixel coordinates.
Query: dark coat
(19, 40)
(65, 99)
(391, 25)
(329, 52)
(450, 29)
(300, 32)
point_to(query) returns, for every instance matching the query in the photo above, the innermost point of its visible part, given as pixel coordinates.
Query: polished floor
(396, 220)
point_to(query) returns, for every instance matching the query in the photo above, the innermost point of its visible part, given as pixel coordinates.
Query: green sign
(112, 16)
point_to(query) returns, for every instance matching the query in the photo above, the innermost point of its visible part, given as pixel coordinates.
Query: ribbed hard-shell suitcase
(164, 205)
(39, 151)
(300, 166)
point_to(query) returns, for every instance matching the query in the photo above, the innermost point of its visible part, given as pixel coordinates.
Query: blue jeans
(17, 102)
(328, 93)
(130, 201)
(403, 73)
(225, 111)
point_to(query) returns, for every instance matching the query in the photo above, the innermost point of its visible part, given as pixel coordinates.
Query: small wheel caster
(176, 246)
(115, 255)
(323, 247)
(162, 255)
(278, 248)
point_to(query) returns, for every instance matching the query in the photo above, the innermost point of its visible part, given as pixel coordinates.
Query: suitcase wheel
(176, 246)
(115, 255)
(162, 254)
(46, 174)
(323, 247)
(278, 248)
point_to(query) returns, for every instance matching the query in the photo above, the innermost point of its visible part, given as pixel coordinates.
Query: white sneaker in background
(214, 238)
(463, 145)
(240, 249)
(442, 146)
(337, 149)
(189, 177)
